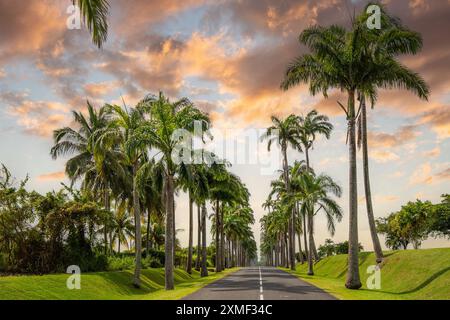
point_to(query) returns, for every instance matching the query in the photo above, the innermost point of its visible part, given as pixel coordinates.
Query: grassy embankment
(105, 285)
(411, 274)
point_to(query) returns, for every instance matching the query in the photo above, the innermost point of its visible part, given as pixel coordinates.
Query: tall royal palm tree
(337, 60)
(312, 125)
(391, 40)
(285, 133)
(120, 134)
(166, 119)
(313, 192)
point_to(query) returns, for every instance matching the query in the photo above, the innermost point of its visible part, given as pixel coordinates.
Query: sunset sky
(229, 58)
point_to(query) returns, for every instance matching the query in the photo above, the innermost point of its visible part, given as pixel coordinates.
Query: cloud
(402, 136)
(40, 24)
(438, 120)
(426, 174)
(97, 90)
(35, 117)
(381, 156)
(53, 176)
(433, 153)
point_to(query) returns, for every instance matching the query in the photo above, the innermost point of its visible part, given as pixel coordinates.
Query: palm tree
(95, 15)
(165, 118)
(285, 133)
(122, 227)
(312, 125)
(120, 134)
(193, 179)
(313, 192)
(338, 61)
(99, 175)
(391, 40)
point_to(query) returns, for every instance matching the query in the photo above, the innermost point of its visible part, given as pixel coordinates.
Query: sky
(228, 57)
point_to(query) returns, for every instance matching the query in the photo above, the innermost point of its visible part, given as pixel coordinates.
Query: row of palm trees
(358, 62)
(298, 194)
(125, 157)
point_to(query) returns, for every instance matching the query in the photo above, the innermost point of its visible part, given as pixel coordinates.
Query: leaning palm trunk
(138, 239)
(169, 239)
(353, 281)
(313, 246)
(300, 248)
(204, 271)
(370, 216)
(191, 222)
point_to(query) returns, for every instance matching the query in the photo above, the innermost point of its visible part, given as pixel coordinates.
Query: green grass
(105, 285)
(411, 274)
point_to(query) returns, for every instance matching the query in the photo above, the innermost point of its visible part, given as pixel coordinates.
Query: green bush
(118, 263)
(151, 262)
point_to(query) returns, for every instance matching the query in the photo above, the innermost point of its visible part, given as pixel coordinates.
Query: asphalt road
(259, 283)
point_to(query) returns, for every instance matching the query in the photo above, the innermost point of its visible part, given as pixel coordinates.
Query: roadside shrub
(151, 262)
(118, 263)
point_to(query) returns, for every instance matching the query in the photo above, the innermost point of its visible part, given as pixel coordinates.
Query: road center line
(261, 296)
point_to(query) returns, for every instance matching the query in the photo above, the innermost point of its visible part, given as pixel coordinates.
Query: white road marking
(261, 296)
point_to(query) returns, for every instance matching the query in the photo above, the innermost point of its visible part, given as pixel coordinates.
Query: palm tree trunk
(204, 272)
(316, 256)
(300, 251)
(174, 232)
(199, 230)
(107, 208)
(138, 240)
(191, 235)
(305, 231)
(353, 280)
(118, 244)
(291, 256)
(147, 240)
(217, 240)
(370, 215)
(310, 255)
(313, 244)
(169, 234)
(222, 240)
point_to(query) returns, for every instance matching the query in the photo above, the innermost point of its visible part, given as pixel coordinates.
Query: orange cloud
(35, 117)
(96, 90)
(383, 156)
(386, 140)
(60, 175)
(424, 174)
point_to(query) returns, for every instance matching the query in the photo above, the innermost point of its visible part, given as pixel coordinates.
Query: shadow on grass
(423, 284)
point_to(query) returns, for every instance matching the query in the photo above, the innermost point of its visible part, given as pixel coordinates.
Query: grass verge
(105, 286)
(405, 275)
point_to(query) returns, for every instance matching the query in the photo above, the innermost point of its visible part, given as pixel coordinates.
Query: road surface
(259, 283)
